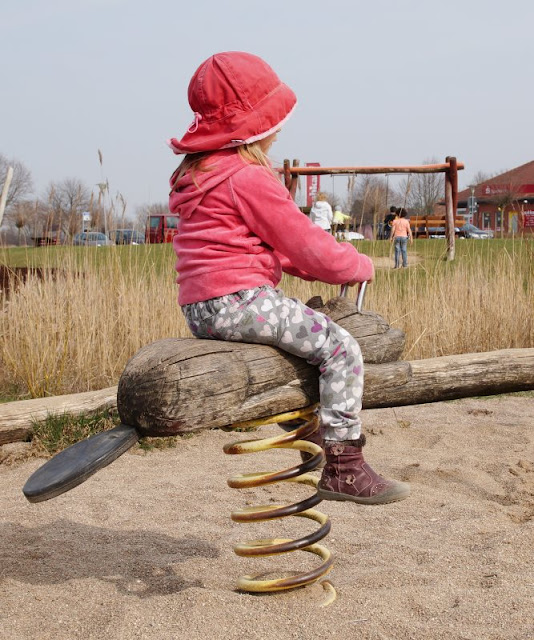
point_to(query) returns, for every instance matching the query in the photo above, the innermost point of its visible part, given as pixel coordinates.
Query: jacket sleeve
(288, 267)
(303, 248)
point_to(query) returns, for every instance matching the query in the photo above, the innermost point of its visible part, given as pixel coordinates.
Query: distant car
(439, 232)
(91, 239)
(353, 235)
(127, 236)
(470, 231)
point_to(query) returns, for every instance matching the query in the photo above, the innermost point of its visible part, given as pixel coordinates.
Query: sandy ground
(385, 262)
(143, 549)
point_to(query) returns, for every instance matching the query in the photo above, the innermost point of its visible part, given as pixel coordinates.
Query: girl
(400, 232)
(239, 229)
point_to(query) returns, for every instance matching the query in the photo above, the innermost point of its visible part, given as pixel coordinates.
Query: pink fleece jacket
(239, 229)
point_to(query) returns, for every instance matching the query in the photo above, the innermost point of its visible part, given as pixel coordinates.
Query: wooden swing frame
(450, 168)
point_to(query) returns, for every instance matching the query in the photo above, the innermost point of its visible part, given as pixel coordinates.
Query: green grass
(57, 432)
(433, 250)
(161, 256)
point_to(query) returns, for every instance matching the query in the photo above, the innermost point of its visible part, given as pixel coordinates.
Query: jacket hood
(188, 194)
(321, 204)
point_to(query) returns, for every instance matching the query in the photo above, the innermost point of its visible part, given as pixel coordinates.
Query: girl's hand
(353, 283)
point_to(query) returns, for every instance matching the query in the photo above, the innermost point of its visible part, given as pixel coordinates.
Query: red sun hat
(237, 99)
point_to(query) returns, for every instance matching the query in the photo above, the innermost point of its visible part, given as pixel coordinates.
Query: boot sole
(395, 495)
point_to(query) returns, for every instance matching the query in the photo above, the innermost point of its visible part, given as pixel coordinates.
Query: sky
(381, 82)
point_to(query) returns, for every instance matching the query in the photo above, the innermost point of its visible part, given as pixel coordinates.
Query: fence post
(294, 181)
(287, 174)
(451, 181)
(5, 189)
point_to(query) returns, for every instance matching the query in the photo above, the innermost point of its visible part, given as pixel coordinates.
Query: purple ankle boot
(347, 476)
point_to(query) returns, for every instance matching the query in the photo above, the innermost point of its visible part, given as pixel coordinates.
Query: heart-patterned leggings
(266, 316)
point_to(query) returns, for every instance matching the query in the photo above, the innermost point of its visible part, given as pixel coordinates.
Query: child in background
(239, 229)
(340, 223)
(388, 219)
(321, 212)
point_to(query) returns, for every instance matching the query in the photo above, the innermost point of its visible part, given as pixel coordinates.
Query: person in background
(321, 213)
(240, 229)
(340, 223)
(388, 219)
(400, 232)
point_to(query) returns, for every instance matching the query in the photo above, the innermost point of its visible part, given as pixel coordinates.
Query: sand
(143, 549)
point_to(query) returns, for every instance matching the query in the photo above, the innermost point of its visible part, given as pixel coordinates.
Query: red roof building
(504, 203)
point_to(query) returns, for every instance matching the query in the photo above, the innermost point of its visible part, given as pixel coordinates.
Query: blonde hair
(251, 153)
(321, 197)
(254, 154)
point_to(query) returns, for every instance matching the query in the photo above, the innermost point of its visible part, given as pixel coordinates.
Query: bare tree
(480, 177)
(20, 215)
(420, 192)
(21, 183)
(368, 200)
(67, 200)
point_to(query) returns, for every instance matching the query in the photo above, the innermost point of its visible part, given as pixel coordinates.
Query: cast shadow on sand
(139, 563)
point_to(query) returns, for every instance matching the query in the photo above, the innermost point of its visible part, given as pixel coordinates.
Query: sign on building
(528, 219)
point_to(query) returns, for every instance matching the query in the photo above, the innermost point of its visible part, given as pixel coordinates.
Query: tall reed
(75, 328)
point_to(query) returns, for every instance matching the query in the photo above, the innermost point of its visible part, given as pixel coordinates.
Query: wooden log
(458, 376)
(17, 418)
(176, 386)
(193, 384)
(170, 387)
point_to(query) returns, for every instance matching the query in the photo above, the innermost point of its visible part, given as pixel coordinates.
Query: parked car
(470, 231)
(91, 239)
(127, 236)
(161, 227)
(352, 235)
(439, 232)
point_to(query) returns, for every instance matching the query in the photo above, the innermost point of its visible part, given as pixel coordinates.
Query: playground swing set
(420, 224)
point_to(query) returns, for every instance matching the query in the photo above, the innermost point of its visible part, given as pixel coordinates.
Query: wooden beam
(449, 212)
(319, 171)
(294, 181)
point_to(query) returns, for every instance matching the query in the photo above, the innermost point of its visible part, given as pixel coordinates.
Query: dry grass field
(73, 326)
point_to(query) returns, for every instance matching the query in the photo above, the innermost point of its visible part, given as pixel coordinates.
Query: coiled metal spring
(303, 509)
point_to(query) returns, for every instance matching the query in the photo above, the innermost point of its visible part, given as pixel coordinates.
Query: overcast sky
(378, 82)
